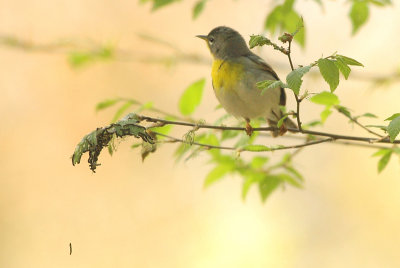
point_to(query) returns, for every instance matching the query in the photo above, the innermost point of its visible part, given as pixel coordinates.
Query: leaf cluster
(94, 142)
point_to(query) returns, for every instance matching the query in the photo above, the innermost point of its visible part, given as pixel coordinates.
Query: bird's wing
(265, 66)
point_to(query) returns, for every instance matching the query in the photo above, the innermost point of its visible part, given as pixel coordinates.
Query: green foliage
(198, 8)
(95, 141)
(107, 104)
(285, 18)
(257, 170)
(325, 98)
(343, 67)
(219, 171)
(82, 58)
(370, 115)
(329, 68)
(294, 78)
(191, 98)
(120, 112)
(158, 3)
(270, 84)
(268, 185)
(258, 40)
(393, 128)
(385, 155)
(348, 61)
(282, 120)
(258, 161)
(256, 148)
(359, 14)
(329, 72)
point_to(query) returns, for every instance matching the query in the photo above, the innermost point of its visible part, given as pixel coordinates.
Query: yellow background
(156, 213)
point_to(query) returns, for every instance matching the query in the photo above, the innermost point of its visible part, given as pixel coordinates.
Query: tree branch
(208, 146)
(310, 132)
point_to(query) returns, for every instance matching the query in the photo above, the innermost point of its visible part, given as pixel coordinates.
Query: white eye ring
(211, 40)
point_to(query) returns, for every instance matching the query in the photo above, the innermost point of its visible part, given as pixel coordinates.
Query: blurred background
(156, 213)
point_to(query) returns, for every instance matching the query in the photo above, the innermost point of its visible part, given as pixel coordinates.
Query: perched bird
(235, 72)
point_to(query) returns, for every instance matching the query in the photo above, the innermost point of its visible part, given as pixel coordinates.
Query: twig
(311, 132)
(208, 146)
(298, 100)
(353, 119)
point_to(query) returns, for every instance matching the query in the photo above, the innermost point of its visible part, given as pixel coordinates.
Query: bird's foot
(282, 130)
(249, 128)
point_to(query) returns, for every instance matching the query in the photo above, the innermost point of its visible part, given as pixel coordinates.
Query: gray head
(225, 42)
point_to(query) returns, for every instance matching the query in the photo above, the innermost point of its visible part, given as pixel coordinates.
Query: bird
(235, 73)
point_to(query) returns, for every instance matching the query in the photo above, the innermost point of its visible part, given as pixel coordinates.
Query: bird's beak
(204, 37)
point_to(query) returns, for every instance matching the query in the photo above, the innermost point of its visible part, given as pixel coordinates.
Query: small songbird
(235, 72)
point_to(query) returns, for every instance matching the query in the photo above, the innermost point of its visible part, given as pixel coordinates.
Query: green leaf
(161, 3)
(95, 141)
(343, 110)
(325, 98)
(349, 61)
(384, 128)
(319, 2)
(329, 72)
(280, 122)
(381, 2)
(270, 84)
(273, 19)
(294, 78)
(385, 157)
(343, 67)
(247, 183)
(381, 152)
(163, 130)
(359, 14)
(210, 139)
(268, 185)
(291, 23)
(198, 8)
(384, 161)
(147, 149)
(256, 148)
(294, 172)
(369, 115)
(258, 162)
(325, 114)
(287, 5)
(216, 174)
(191, 98)
(80, 58)
(289, 179)
(106, 103)
(121, 111)
(287, 19)
(393, 116)
(394, 128)
(229, 134)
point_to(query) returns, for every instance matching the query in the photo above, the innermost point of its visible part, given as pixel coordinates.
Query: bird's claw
(249, 129)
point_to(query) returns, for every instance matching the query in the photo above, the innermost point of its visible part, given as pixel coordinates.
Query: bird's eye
(211, 40)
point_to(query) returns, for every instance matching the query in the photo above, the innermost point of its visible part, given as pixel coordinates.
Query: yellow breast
(225, 75)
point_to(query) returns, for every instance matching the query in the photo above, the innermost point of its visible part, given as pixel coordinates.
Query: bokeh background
(156, 213)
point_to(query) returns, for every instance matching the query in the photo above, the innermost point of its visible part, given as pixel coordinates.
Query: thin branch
(208, 146)
(298, 100)
(354, 120)
(310, 132)
(340, 142)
